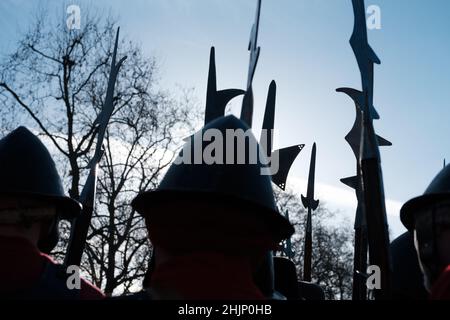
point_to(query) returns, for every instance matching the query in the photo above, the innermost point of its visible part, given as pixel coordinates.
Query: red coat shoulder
(441, 288)
(87, 290)
(90, 292)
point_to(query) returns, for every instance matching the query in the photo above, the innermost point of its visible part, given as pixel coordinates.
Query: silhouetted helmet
(407, 279)
(438, 190)
(28, 171)
(240, 184)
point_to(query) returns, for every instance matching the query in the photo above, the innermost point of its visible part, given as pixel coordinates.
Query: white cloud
(343, 199)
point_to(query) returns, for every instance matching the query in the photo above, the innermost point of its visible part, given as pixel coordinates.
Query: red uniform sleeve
(441, 288)
(87, 290)
(90, 292)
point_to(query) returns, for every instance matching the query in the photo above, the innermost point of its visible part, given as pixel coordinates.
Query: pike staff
(368, 182)
(247, 103)
(353, 138)
(310, 204)
(80, 225)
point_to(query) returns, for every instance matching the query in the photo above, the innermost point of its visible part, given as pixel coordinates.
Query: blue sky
(304, 47)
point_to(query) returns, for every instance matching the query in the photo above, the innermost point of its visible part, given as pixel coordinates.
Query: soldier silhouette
(213, 226)
(407, 279)
(427, 217)
(32, 202)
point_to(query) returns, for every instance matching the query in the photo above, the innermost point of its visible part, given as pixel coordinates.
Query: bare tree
(55, 82)
(332, 256)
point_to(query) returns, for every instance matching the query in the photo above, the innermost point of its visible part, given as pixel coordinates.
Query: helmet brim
(407, 212)
(66, 207)
(280, 227)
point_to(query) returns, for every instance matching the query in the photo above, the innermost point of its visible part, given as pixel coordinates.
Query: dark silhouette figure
(32, 202)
